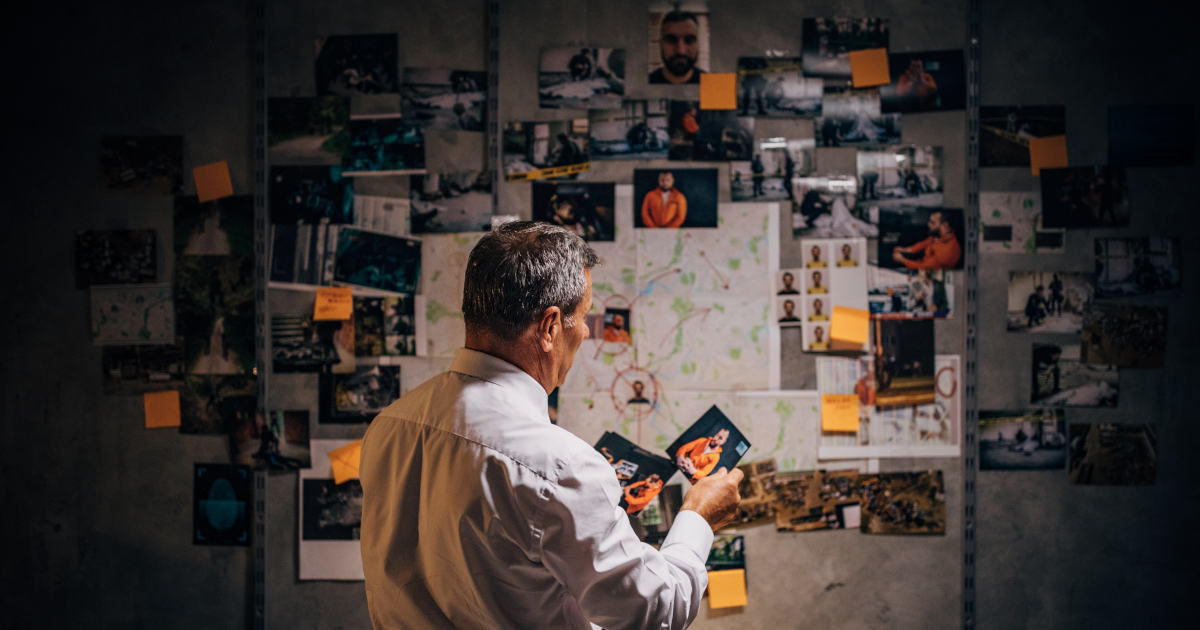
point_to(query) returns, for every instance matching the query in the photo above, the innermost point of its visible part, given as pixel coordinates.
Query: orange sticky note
(212, 181)
(839, 412)
(333, 303)
(869, 67)
(162, 409)
(850, 325)
(345, 460)
(727, 589)
(1048, 152)
(718, 91)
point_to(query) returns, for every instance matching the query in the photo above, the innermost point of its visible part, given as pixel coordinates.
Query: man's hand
(715, 497)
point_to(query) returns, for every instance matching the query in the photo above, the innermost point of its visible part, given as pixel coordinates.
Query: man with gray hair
(479, 513)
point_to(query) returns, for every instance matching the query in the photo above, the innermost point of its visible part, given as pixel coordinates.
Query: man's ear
(549, 328)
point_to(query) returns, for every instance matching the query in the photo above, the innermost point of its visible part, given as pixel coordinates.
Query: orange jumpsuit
(656, 214)
(637, 503)
(942, 252)
(704, 462)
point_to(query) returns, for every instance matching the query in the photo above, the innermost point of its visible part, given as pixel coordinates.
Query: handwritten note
(839, 412)
(334, 303)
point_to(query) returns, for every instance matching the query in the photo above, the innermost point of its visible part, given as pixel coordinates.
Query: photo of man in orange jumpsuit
(639, 494)
(699, 457)
(940, 251)
(664, 207)
(615, 331)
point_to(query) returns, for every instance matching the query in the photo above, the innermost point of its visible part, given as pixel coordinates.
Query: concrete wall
(98, 511)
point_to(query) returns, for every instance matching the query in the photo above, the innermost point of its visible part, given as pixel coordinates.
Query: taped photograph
(1124, 335)
(115, 257)
(378, 261)
(1085, 196)
(221, 505)
(1022, 440)
(1048, 301)
(675, 198)
(826, 207)
(711, 443)
(440, 98)
(903, 503)
(385, 326)
(308, 130)
(827, 43)
(636, 131)
(919, 238)
(581, 78)
(905, 175)
(140, 369)
(384, 146)
(642, 474)
(708, 134)
(357, 64)
(329, 521)
(358, 397)
(278, 441)
(310, 194)
(214, 313)
(545, 150)
(222, 227)
(211, 405)
(132, 315)
(931, 81)
(585, 208)
(770, 87)
(817, 500)
(1011, 223)
(758, 494)
(450, 202)
(1138, 266)
(1113, 454)
(853, 118)
(301, 345)
(770, 174)
(679, 42)
(910, 293)
(1005, 131)
(904, 362)
(142, 165)
(1062, 379)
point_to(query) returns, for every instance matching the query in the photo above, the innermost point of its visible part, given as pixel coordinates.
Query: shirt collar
(492, 369)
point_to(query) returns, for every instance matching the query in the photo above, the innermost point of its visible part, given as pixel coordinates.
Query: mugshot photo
(675, 198)
(787, 311)
(815, 336)
(679, 47)
(616, 325)
(816, 282)
(787, 281)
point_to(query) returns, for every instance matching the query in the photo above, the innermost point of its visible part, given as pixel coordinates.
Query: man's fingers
(721, 472)
(737, 475)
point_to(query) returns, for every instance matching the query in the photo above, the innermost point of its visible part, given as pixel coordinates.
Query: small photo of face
(785, 283)
(616, 325)
(816, 283)
(846, 255)
(788, 310)
(817, 311)
(816, 257)
(816, 337)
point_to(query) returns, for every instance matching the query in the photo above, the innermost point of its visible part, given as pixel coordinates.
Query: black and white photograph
(115, 257)
(358, 397)
(905, 175)
(711, 443)
(1005, 131)
(708, 134)
(635, 131)
(384, 146)
(276, 441)
(581, 78)
(1124, 335)
(903, 503)
(675, 198)
(769, 175)
(771, 87)
(357, 64)
(931, 81)
(853, 118)
(300, 344)
(222, 227)
(214, 313)
(210, 404)
(310, 194)
(308, 130)
(221, 504)
(827, 207)
(642, 474)
(441, 98)
(585, 208)
(460, 201)
(678, 51)
(1151, 135)
(1104, 454)
(1084, 196)
(141, 165)
(141, 369)
(1022, 440)
(331, 511)
(904, 362)
(378, 261)
(1138, 266)
(910, 293)
(920, 238)
(1060, 378)
(542, 150)
(385, 326)
(827, 43)
(1048, 301)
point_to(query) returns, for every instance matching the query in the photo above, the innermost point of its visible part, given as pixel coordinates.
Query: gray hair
(519, 270)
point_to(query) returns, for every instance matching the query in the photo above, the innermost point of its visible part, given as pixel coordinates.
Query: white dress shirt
(480, 513)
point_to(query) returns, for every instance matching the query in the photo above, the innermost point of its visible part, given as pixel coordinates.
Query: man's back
(479, 513)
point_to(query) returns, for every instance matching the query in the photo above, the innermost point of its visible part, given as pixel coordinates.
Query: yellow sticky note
(345, 461)
(718, 91)
(162, 409)
(212, 181)
(333, 303)
(1048, 152)
(869, 67)
(850, 325)
(727, 589)
(839, 412)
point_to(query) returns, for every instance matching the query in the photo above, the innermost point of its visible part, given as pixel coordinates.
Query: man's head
(680, 42)
(817, 306)
(846, 251)
(654, 478)
(719, 438)
(788, 279)
(819, 333)
(527, 289)
(789, 308)
(938, 225)
(564, 211)
(638, 388)
(666, 181)
(816, 253)
(1039, 289)
(618, 321)
(816, 278)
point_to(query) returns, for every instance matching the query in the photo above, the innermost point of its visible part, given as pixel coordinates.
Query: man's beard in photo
(679, 65)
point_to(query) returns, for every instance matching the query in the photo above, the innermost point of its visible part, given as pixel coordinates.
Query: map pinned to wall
(444, 266)
(133, 314)
(781, 425)
(651, 425)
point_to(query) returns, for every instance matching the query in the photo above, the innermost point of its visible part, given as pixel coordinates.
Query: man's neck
(674, 78)
(538, 367)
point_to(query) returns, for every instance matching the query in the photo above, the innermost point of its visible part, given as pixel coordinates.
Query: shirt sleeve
(619, 582)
